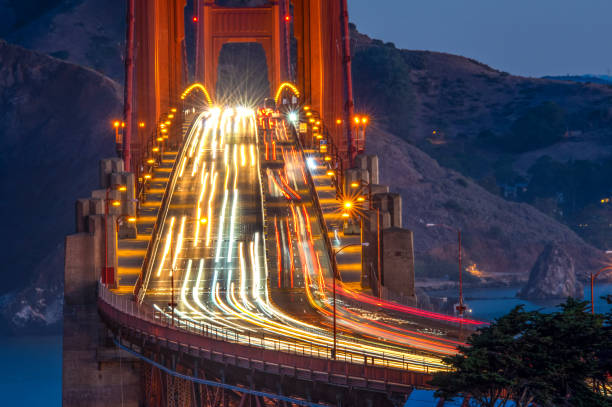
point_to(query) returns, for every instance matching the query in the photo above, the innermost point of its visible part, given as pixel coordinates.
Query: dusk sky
(522, 37)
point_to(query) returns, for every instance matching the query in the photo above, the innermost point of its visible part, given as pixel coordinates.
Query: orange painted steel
(223, 25)
(159, 72)
(368, 375)
(323, 56)
(321, 33)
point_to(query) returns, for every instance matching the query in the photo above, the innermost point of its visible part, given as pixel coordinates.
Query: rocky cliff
(552, 276)
(55, 126)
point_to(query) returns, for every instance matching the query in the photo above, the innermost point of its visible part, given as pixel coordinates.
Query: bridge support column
(223, 25)
(322, 66)
(93, 369)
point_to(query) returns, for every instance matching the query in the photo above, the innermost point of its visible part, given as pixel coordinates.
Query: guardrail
(259, 340)
(315, 199)
(143, 280)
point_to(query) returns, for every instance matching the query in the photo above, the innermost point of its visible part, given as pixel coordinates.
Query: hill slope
(540, 141)
(503, 239)
(56, 125)
(86, 32)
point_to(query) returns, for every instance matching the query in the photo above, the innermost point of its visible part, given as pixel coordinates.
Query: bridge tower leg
(93, 368)
(323, 66)
(159, 33)
(223, 25)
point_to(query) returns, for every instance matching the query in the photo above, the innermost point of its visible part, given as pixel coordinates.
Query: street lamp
(294, 117)
(116, 125)
(116, 204)
(364, 244)
(364, 122)
(593, 277)
(361, 184)
(461, 308)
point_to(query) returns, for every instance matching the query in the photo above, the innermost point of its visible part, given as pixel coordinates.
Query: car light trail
(235, 294)
(179, 244)
(166, 247)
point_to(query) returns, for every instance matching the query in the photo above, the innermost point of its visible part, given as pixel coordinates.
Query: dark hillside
(497, 128)
(56, 125)
(86, 32)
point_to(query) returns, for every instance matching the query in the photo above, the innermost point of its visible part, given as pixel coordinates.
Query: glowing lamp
(360, 199)
(147, 176)
(122, 188)
(293, 117)
(116, 203)
(348, 205)
(327, 158)
(354, 184)
(345, 215)
(330, 173)
(150, 161)
(155, 149)
(132, 219)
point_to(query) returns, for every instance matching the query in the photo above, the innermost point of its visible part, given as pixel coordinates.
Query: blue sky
(523, 37)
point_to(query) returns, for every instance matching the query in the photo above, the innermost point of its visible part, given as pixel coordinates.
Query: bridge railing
(317, 206)
(143, 279)
(259, 340)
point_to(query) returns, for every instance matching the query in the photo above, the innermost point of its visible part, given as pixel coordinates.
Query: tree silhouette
(532, 358)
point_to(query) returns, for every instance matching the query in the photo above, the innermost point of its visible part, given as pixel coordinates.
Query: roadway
(241, 225)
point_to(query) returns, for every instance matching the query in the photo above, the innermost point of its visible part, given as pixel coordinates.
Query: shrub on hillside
(381, 79)
(538, 127)
(532, 358)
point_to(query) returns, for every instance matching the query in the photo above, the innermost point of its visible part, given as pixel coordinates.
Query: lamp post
(362, 184)
(593, 277)
(172, 304)
(364, 244)
(461, 308)
(357, 121)
(364, 122)
(115, 203)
